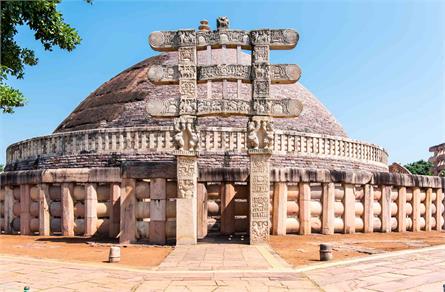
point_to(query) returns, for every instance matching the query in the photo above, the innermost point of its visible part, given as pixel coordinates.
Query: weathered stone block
(157, 233)
(186, 221)
(158, 188)
(157, 210)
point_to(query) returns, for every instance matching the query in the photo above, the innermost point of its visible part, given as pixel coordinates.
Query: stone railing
(328, 202)
(141, 140)
(87, 202)
(139, 204)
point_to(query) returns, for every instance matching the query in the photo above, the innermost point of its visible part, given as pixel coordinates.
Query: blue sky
(379, 66)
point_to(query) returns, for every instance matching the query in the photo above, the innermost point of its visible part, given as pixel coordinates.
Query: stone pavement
(414, 270)
(222, 257)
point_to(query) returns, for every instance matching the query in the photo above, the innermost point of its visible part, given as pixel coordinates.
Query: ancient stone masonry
(186, 138)
(157, 140)
(261, 108)
(261, 74)
(207, 139)
(162, 74)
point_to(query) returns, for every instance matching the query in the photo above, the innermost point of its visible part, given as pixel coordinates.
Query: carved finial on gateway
(222, 23)
(204, 25)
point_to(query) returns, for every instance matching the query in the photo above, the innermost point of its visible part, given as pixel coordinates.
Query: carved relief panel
(187, 175)
(259, 197)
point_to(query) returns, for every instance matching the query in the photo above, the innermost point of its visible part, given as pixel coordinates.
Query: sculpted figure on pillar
(179, 136)
(186, 135)
(252, 135)
(269, 133)
(260, 133)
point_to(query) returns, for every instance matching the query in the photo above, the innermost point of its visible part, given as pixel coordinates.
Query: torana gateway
(206, 139)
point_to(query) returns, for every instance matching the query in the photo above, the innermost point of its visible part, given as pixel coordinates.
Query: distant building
(438, 159)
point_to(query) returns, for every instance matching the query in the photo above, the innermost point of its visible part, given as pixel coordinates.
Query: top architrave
(276, 39)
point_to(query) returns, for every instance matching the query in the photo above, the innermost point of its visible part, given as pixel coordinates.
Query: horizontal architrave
(220, 174)
(142, 169)
(61, 175)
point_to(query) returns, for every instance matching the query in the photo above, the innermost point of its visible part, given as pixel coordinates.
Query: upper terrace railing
(142, 140)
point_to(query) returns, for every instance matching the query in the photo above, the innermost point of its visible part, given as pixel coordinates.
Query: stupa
(206, 138)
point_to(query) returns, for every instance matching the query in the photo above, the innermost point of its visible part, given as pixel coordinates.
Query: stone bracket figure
(260, 134)
(186, 136)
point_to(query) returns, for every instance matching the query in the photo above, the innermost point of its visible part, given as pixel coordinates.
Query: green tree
(1, 167)
(421, 167)
(42, 17)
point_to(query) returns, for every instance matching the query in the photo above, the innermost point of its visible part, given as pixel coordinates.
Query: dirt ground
(301, 250)
(81, 249)
(296, 250)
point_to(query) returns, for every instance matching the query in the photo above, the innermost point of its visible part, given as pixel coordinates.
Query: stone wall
(219, 147)
(138, 201)
(327, 202)
(88, 202)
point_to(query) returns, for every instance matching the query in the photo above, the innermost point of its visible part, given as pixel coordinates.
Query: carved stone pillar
(259, 196)
(186, 202)
(261, 109)
(260, 138)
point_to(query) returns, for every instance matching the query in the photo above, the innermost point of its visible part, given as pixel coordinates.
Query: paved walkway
(420, 270)
(222, 257)
(413, 270)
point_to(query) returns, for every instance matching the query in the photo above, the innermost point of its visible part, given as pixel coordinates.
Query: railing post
(115, 210)
(25, 217)
(305, 211)
(416, 209)
(401, 210)
(439, 207)
(90, 210)
(349, 207)
(202, 210)
(158, 215)
(44, 216)
(328, 212)
(279, 211)
(386, 208)
(67, 209)
(128, 217)
(227, 208)
(9, 206)
(428, 214)
(368, 219)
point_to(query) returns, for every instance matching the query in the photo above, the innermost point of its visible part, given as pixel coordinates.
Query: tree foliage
(42, 17)
(421, 167)
(1, 167)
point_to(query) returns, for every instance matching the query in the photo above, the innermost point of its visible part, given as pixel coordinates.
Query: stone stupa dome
(122, 101)
(112, 125)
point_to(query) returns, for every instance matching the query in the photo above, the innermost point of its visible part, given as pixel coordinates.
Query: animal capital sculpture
(222, 23)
